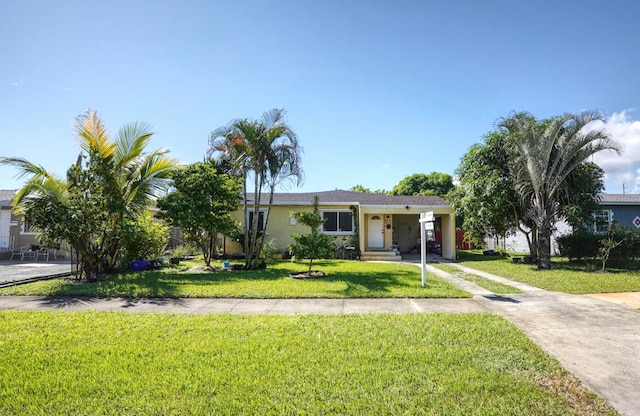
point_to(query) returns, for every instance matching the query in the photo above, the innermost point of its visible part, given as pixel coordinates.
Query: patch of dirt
(582, 400)
(314, 274)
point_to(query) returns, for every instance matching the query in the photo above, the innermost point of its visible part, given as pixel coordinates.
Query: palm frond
(131, 141)
(93, 135)
(25, 168)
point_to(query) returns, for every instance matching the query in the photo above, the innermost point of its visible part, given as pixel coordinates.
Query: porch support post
(449, 236)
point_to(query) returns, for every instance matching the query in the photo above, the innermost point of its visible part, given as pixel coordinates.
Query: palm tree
(118, 180)
(268, 148)
(546, 154)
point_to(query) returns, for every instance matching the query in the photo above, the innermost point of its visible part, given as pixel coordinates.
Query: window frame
(600, 223)
(25, 227)
(262, 213)
(338, 230)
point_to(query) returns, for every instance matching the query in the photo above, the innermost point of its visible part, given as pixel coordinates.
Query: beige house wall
(281, 226)
(405, 223)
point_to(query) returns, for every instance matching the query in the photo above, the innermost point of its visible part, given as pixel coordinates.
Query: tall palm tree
(119, 173)
(546, 154)
(264, 152)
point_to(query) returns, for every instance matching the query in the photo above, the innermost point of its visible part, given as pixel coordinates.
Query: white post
(425, 219)
(423, 253)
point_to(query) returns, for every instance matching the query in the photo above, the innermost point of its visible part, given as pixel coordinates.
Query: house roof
(619, 199)
(6, 195)
(351, 197)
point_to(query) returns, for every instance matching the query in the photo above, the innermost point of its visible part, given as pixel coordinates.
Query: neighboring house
(387, 225)
(624, 208)
(13, 231)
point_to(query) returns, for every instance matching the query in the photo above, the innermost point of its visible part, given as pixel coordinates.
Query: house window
(337, 222)
(27, 228)
(601, 221)
(261, 215)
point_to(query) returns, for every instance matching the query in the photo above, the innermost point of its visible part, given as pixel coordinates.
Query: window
(601, 220)
(337, 222)
(260, 220)
(26, 227)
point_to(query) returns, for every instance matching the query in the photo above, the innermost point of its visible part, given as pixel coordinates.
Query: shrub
(142, 239)
(580, 245)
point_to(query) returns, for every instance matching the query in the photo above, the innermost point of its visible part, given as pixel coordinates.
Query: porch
(392, 235)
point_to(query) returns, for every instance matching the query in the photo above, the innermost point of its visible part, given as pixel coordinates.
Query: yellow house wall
(279, 226)
(280, 229)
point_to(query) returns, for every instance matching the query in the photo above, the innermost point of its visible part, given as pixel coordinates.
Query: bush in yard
(142, 239)
(314, 245)
(619, 247)
(580, 245)
(628, 250)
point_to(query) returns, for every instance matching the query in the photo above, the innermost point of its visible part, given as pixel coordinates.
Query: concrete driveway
(20, 270)
(595, 339)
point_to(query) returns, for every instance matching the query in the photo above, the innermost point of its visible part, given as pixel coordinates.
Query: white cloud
(624, 170)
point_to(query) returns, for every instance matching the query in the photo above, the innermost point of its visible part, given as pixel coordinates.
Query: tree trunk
(266, 219)
(245, 209)
(544, 246)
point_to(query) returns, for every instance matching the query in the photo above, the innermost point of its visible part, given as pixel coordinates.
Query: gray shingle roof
(350, 197)
(6, 195)
(625, 199)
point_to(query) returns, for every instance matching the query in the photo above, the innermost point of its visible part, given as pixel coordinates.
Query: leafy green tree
(314, 245)
(435, 183)
(361, 188)
(265, 152)
(488, 200)
(201, 205)
(544, 158)
(112, 181)
(485, 196)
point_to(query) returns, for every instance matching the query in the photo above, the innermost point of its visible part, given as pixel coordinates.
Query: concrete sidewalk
(597, 340)
(242, 306)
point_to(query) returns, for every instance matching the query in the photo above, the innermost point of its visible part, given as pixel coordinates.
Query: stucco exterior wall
(400, 226)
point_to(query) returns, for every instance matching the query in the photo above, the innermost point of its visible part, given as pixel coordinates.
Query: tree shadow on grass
(343, 280)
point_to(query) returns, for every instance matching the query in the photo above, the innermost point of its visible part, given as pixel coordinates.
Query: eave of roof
(619, 199)
(340, 197)
(6, 196)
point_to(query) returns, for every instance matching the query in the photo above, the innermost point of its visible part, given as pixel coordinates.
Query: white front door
(375, 231)
(5, 227)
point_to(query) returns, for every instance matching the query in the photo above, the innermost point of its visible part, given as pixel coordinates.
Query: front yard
(106, 363)
(345, 279)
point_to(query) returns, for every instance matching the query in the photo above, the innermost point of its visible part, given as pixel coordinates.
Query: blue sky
(375, 90)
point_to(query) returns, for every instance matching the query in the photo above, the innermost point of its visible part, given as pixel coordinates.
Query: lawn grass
(564, 276)
(115, 363)
(488, 284)
(345, 279)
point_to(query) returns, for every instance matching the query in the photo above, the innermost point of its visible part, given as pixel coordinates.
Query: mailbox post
(426, 223)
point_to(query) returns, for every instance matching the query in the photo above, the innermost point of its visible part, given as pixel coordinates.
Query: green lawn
(345, 279)
(107, 363)
(488, 284)
(564, 276)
